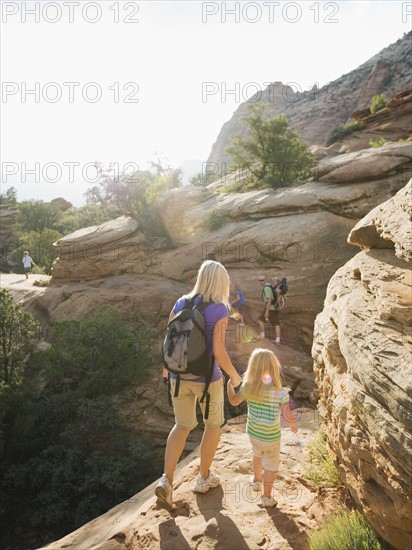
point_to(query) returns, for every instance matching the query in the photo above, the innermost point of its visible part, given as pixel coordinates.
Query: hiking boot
(164, 492)
(269, 502)
(203, 485)
(256, 485)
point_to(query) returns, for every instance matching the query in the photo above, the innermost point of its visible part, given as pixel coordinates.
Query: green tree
(197, 180)
(271, 151)
(37, 215)
(9, 197)
(120, 194)
(133, 193)
(97, 355)
(71, 453)
(165, 178)
(378, 102)
(17, 329)
(202, 179)
(85, 216)
(343, 130)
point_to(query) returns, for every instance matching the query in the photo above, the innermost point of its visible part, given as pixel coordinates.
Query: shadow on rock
(219, 526)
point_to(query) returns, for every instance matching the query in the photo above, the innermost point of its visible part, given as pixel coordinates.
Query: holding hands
(235, 380)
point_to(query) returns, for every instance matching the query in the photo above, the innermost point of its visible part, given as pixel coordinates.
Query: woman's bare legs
(208, 448)
(174, 448)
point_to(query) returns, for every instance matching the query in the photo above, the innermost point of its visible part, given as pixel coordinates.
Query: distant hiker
(239, 304)
(279, 289)
(212, 288)
(270, 314)
(267, 400)
(27, 263)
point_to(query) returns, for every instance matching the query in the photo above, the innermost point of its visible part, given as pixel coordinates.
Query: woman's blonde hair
(263, 372)
(212, 283)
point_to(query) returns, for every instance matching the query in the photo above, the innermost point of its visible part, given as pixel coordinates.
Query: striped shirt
(263, 419)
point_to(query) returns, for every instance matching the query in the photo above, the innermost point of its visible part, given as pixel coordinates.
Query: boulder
(388, 226)
(113, 248)
(365, 164)
(362, 353)
(62, 204)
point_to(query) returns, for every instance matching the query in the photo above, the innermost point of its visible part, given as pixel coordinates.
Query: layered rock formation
(393, 123)
(388, 72)
(299, 232)
(362, 354)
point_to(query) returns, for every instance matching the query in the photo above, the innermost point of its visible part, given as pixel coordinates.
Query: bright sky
(118, 81)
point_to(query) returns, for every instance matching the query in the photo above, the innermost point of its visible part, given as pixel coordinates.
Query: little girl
(267, 399)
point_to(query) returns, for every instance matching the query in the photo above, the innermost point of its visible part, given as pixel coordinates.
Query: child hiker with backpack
(266, 400)
(201, 314)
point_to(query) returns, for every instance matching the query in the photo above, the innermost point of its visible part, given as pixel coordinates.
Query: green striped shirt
(263, 419)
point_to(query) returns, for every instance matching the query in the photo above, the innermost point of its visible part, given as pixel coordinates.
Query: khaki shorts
(268, 451)
(185, 403)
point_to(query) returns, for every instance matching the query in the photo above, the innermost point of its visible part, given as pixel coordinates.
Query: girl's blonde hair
(212, 283)
(263, 372)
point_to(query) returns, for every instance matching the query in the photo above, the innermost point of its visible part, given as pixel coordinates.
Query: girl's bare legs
(257, 468)
(208, 448)
(268, 479)
(174, 448)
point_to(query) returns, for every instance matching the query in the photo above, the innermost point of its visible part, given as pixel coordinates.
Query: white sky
(169, 54)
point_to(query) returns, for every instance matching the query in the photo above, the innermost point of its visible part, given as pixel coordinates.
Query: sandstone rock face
(362, 353)
(299, 232)
(366, 164)
(393, 123)
(387, 72)
(113, 248)
(389, 225)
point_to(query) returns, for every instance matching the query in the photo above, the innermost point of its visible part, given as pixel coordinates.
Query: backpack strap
(208, 380)
(169, 390)
(267, 285)
(202, 305)
(177, 386)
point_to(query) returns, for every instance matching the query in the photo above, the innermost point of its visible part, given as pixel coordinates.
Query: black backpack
(278, 292)
(184, 347)
(274, 294)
